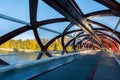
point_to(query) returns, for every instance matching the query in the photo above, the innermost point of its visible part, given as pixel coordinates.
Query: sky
(20, 9)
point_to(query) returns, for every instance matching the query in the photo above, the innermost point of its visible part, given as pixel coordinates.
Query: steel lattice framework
(94, 38)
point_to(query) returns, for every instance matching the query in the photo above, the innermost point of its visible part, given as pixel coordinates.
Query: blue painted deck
(80, 68)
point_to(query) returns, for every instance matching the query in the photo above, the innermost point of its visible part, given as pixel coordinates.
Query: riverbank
(18, 50)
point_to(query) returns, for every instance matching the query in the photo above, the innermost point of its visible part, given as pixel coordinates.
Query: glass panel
(26, 35)
(8, 26)
(46, 12)
(46, 36)
(95, 26)
(74, 27)
(24, 41)
(19, 49)
(118, 28)
(59, 27)
(66, 39)
(110, 34)
(108, 21)
(118, 1)
(94, 6)
(116, 37)
(72, 36)
(17, 9)
(50, 31)
(56, 45)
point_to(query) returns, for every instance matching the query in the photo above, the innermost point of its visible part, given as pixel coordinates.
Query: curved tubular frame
(91, 44)
(112, 4)
(109, 41)
(87, 41)
(50, 21)
(33, 27)
(105, 42)
(80, 42)
(99, 14)
(79, 35)
(105, 27)
(38, 39)
(74, 39)
(33, 5)
(52, 40)
(41, 45)
(92, 41)
(45, 22)
(62, 38)
(109, 36)
(75, 17)
(14, 33)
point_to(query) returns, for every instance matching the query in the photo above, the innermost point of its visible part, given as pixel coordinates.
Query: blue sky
(20, 9)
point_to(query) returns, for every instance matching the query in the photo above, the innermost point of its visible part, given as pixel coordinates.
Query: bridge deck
(82, 69)
(78, 70)
(89, 67)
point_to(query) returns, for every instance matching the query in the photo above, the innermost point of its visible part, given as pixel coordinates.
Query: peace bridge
(95, 45)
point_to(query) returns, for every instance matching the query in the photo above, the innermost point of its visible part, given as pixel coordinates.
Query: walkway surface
(108, 69)
(82, 68)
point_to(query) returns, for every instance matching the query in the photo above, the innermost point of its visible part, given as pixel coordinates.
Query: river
(18, 57)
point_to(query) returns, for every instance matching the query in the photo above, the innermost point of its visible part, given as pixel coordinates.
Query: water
(18, 57)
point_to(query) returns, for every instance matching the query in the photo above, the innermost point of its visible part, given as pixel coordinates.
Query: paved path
(108, 69)
(81, 69)
(77, 70)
